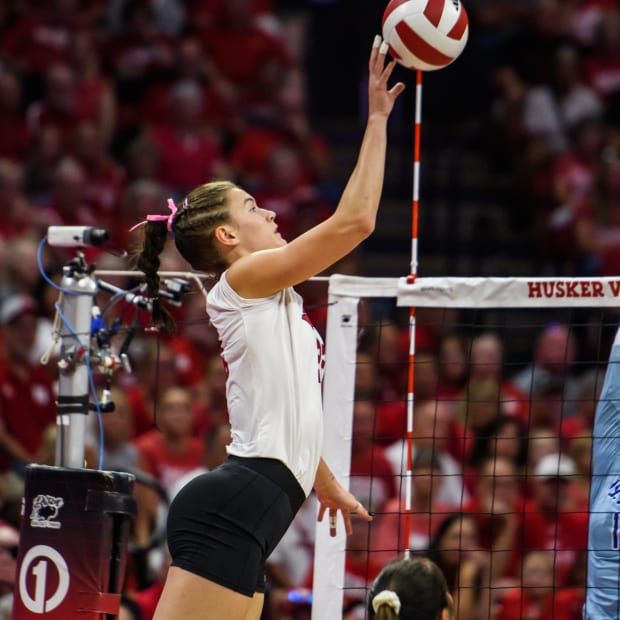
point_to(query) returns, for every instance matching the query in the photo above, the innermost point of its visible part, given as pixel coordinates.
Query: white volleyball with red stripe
(425, 34)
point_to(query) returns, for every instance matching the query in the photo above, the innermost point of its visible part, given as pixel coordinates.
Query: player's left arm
(333, 497)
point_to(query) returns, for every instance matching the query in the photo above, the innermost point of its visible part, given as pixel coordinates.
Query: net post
(338, 395)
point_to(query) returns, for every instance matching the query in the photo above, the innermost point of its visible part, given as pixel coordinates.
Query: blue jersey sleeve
(603, 583)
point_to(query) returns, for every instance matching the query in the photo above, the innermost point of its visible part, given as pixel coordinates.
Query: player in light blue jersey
(603, 584)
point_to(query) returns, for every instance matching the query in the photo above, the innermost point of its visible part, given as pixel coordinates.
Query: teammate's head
(410, 589)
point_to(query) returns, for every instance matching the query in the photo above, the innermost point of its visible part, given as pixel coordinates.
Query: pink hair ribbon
(160, 218)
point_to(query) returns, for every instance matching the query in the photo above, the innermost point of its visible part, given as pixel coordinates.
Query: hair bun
(386, 597)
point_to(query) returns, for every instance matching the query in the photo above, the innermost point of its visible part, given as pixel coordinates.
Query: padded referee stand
(73, 542)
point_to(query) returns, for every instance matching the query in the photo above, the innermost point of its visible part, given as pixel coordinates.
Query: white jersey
(274, 359)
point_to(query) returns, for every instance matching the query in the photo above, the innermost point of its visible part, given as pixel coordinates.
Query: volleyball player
(223, 524)
(603, 576)
(410, 589)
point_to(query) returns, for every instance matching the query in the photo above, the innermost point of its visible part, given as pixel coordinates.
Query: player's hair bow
(169, 219)
(386, 597)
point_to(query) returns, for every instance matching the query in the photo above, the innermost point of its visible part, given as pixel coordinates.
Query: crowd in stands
(107, 108)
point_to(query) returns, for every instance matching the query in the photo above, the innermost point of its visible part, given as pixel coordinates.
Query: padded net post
(73, 541)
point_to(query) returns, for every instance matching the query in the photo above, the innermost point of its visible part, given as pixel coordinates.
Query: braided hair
(202, 211)
(419, 585)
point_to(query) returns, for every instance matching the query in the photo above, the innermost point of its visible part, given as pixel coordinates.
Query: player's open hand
(333, 498)
(381, 98)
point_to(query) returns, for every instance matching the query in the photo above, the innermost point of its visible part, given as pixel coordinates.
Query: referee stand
(75, 521)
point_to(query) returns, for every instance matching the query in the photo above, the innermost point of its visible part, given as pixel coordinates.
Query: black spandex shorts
(224, 524)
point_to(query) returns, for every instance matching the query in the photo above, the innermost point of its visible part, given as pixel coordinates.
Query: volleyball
(425, 34)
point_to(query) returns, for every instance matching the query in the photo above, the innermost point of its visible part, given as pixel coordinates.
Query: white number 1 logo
(46, 556)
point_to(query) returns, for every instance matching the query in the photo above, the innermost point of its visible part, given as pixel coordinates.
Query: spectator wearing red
(46, 152)
(136, 56)
(259, 103)
(189, 152)
(581, 423)
(453, 365)
(41, 38)
(203, 342)
(60, 106)
(467, 566)
(27, 399)
(95, 94)
(550, 520)
(119, 453)
(426, 375)
(203, 12)
(193, 64)
(388, 531)
(140, 50)
(505, 437)
(551, 370)
(391, 414)
(106, 182)
(216, 441)
(383, 339)
(487, 362)
(573, 176)
(239, 46)
(216, 410)
(289, 126)
(68, 204)
(189, 362)
(141, 160)
(538, 597)
(580, 450)
(145, 385)
(495, 505)
(477, 410)
(21, 271)
(569, 601)
(142, 196)
(298, 205)
(170, 451)
(541, 442)
(574, 171)
(431, 429)
(360, 565)
(18, 214)
(372, 474)
(533, 599)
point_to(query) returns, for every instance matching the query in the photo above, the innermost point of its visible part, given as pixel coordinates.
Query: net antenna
(412, 318)
(329, 558)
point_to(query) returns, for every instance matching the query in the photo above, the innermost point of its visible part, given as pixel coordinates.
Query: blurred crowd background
(109, 107)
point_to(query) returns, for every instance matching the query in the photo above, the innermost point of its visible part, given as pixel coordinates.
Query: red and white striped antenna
(423, 35)
(412, 318)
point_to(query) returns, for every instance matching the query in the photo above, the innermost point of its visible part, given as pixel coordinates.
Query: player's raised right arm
(266, 272)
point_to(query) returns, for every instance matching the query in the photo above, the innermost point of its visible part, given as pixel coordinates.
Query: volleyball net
(464, 412)
(461, 411)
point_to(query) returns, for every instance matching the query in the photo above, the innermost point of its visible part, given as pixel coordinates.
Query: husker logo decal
(578, 288)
